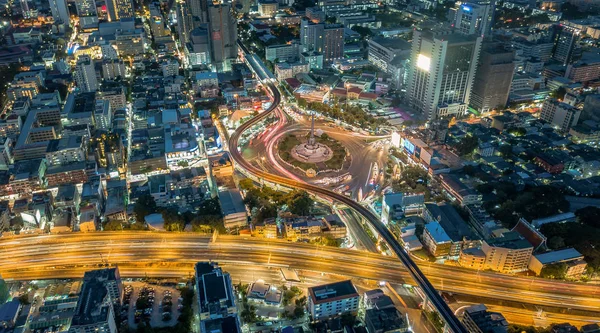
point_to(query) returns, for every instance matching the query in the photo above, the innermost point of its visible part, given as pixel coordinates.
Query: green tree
(210, 207)
(298, 312)
(348, 319)
(467, 145)
(248, 313)
(556, 242)
(301, 302)
(142, 303)
(505, 151)
(559, 93)
(299, 202)
(145, 205)
(517, 131)
(268, 210)
(24, 299)
(302, 103)
(4, 294)
(114, 225)
(571, 11)
(554, 271)
(470, 170)
(246, 184)
(172, 220)
(412, 179)
(296, 290)
(363, 31)
(589, 215)
(7, 74)
(214, 222)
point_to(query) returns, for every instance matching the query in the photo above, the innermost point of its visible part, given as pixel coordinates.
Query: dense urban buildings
(306, 147)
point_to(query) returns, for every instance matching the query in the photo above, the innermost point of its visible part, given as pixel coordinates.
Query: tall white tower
(441, 73)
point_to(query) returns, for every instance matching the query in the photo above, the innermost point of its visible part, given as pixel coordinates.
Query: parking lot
(158, 305)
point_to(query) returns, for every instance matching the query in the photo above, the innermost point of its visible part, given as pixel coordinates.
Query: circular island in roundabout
(313, 154)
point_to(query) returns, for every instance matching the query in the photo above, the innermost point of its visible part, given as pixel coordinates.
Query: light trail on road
(433, 297)
(69, 255)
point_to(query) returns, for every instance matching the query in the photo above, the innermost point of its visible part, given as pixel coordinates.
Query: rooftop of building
(563, 328)
(438, 233)
(385, 320)
(510, 240)
(490, 322)
(474, 251)
(69, 142)
(9, 310)
(206, 76)
(590, 328)
(591, 57)
(66, 192)
(214, 290)
(558, 256)
(91, 307)
(55, 169)
(568, 216)
(231, 202)
(393, 43)
(454, 225)
(332, 292)
(221, 325)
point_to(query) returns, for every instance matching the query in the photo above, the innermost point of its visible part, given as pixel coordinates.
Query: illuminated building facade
(441, 73)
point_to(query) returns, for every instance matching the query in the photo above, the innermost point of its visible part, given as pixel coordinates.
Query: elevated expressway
(452, 322)
(173, 254)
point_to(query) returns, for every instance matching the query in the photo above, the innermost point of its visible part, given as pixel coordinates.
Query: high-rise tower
(442, 72)
(223, 36)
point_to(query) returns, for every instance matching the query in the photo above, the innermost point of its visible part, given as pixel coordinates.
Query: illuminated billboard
(409, 146)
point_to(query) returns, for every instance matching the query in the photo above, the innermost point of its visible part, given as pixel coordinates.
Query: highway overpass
(165, 254)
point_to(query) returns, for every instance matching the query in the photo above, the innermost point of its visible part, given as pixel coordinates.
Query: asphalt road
(173, 254)
(361, 148)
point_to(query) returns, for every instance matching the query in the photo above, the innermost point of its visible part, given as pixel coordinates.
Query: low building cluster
(90, 305)
(300, 228)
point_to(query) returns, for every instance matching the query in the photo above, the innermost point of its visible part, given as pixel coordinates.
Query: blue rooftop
(557, 256)
(437, 232)
(206, 75)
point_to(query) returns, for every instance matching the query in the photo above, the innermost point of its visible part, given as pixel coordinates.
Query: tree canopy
(532, 202)
(145, 205)
(264, 202)
(173, 221)
(584, 238)
(412, 179)
(554, 271)
(589, 215)
(467, 145)
(4, 294)
(350, 114)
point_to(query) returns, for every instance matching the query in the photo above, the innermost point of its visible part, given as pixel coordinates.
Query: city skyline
(397, 166)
